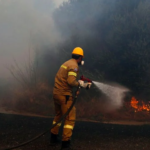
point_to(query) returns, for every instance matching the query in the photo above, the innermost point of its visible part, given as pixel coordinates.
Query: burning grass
(140, 105)
(39, 101)
(128, 112)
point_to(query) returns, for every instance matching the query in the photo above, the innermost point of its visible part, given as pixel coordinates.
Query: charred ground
(16, 129)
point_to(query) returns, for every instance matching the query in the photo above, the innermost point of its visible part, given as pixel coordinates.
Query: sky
(25, 24)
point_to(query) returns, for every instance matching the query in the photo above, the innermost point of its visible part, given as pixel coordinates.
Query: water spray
(114, 94)
(110, 91)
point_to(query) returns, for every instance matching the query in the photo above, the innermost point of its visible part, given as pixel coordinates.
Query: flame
(134, 103)
(139, 105)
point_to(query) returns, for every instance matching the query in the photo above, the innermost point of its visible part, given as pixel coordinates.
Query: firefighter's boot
(66, 145)
(54, 139)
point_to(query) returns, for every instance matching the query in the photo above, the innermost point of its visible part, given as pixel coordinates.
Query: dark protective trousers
(62, 103)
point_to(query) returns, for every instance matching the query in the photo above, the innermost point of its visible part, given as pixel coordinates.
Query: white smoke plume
(23, 25)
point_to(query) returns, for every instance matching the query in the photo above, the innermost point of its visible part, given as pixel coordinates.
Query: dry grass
(33, 100)
(38, 100)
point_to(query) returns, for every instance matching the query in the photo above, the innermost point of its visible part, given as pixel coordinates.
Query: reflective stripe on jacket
(65, 78)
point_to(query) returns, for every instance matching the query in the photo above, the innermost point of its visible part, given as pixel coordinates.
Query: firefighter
(65, 80)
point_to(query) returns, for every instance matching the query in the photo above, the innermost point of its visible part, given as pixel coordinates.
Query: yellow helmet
(78, 51)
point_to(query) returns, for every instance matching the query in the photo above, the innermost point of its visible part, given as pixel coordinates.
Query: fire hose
(62, 118)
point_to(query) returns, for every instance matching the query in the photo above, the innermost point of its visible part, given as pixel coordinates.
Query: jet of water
(115, 95)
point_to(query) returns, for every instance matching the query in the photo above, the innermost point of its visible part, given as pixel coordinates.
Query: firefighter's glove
(89, 85)
(84, 85)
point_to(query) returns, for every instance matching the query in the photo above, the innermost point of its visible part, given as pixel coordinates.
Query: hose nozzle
(85, 79)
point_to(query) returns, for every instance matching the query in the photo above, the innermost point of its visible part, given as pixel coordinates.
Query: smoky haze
(113, 33)
(25, 25)
(115, 37)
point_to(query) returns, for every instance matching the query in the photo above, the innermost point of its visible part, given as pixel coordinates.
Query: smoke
(114, 96)
(25, 25)
(59, 2)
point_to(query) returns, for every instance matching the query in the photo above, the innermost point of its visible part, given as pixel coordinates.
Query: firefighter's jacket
(65, 78)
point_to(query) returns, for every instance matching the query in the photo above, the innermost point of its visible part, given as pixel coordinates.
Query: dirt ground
(15, 129)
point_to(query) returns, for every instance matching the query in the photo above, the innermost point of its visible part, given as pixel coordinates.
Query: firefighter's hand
(84, 85)
(89, 85)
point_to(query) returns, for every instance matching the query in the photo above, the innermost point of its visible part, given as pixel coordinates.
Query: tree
(115, 37)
